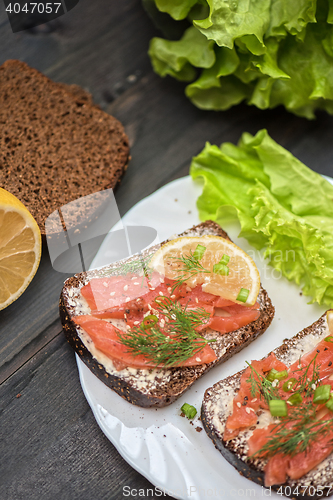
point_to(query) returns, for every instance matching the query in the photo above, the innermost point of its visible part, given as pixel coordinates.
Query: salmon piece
(244, 415)
(324, 357)
(225, 324)
(302, 463)
(114, 291)
(280, 466)
(258, 439)
(276, 470)
(118, 296)
(105, 337)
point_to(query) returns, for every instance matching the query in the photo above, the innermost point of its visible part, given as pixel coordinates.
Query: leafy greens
(282, 206)
(267, 52)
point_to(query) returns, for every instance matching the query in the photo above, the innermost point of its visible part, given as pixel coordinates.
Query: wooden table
(51, 446)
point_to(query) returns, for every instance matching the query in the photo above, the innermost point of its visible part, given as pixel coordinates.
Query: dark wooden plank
(99, 45)
(32, 320)
(51, 445)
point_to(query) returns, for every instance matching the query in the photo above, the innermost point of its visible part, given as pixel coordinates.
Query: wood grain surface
(51, 446)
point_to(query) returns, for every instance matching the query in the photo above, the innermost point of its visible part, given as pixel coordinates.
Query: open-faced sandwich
(274, 420)
(151, 325)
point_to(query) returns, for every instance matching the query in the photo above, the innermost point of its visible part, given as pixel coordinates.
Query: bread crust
(159, 388)
(214, 418)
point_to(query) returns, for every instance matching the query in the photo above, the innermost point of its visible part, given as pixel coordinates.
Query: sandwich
(151, 325)
(273, 421)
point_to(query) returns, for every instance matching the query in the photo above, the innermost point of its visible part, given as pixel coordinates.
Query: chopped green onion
(278, 408)
(329, 338)
(198, 252)
(289, 385)
(225, 259)
(188, 410)
(221, 269)
(149, 321)
(329, 403)
(295, 399)
(243, 295)
(276, 375)
(322, 394)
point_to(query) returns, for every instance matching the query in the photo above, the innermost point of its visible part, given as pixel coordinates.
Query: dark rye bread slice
(55, 144)
(157, 388)
(217, 406)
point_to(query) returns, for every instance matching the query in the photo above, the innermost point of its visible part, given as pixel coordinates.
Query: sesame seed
(112, 293)
(105, 284)
(127, 299)
(173, 296)
(254, 400)
(169, 288)
(125, 288)
(313, 387)
(134, 277)
(197, 300)
(136, 283)
(248, 409)
(198, 359)
(149, 307)
(161, 293)
(239, 405)
(136, 322)
(152, 288)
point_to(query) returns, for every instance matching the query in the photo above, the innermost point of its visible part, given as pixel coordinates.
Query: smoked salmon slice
(106, 339)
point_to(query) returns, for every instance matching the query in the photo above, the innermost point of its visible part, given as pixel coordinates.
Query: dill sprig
(173, 344)
(295, 433)
(190, 267)
(261, 386)
(139, 265)
(305, 383)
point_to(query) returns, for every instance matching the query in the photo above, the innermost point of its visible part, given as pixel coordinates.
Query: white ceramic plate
(166, 448)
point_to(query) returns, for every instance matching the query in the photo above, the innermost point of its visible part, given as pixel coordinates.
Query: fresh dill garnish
(305, 383)
(173, 344)
(139, 265)
(261, 386)
(190, 266)
(295, 433)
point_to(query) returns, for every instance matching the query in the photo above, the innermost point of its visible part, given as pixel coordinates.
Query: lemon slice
(241, 284)
(20, 248)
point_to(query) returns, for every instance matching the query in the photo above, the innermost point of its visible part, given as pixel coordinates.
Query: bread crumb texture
(55, 144)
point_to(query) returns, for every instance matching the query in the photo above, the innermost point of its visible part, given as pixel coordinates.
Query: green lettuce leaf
(178, 9)
(179, 58)
(229, 21)
(282, 206)
(267, 52)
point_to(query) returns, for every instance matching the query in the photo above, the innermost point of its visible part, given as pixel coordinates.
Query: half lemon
(20, 248)
(226, 270)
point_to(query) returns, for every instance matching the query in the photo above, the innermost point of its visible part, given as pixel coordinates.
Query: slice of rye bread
(155, 388)
(55, 144)
(217, 406)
